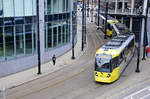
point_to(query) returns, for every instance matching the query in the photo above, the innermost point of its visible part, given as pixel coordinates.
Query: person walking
(54, 59)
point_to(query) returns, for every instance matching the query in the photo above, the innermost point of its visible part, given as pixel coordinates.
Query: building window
(60, 6)
(8, 8)
(19, 11)
(49, 28)
(49, 6)
(54, 36)
(9, 41)
(63, 33)
(19, 40)
(28, 5)
(1, 43)
(28, 39)
(1, 8)
(59, 34)
(55, 6)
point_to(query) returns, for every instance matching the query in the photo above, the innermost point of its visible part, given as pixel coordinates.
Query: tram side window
(131, 45)
(120, 58)
(115, 62)
(109, 27)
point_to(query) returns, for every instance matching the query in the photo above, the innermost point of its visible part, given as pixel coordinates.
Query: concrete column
(116, 6)
(144, 7)
(123, 5)
(132, 6)
(143, 21)
(148, 30)
(131, 23)
(122, 20)
(41, 30)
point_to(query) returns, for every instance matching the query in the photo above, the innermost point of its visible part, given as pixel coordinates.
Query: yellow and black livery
(112, 58)
(110, 22)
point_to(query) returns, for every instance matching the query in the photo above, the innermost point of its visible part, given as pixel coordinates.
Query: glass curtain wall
(17, 28)
(57, 16)
(1, 8)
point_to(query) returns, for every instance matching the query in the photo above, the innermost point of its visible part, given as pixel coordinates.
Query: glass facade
(57, 23)
(17, 28)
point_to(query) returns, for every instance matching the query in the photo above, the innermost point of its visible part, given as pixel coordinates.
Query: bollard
(4, 93)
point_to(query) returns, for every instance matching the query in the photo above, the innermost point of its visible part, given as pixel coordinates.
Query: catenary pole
(98, 14)
(83, 15)
(85, 23)
(92, 12)
(38, 39)
(139, 44)
(72, 15)
(106, 13)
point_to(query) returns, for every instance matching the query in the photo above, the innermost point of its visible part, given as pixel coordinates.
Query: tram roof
(121, 26)
(118, 41)
(108, 17)
(116, 44)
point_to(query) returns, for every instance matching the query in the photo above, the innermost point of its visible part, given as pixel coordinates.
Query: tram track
(47, 83)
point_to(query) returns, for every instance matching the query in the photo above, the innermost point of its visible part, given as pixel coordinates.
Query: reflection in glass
(67, 32)
(28, 7)
(49, 27)
(59, 35)
(28, 38)
(49, 7)
(60, 6)
(54, 36)
(19, 40)
(18, 7)
(1, 43)
(1, 8)
(55, 6)
(63, 33)
(9, 41)
(8, 9)
(34, 38)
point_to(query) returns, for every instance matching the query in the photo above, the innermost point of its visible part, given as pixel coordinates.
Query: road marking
(131, 95)
(145, 96)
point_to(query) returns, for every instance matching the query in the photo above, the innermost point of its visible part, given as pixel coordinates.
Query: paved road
(72, 81)
(76, 81)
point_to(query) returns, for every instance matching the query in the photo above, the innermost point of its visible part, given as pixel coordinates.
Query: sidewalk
(47, 68)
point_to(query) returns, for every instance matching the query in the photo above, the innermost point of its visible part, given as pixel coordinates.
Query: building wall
(18, 32)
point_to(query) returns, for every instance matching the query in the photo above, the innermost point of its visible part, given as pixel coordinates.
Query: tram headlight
(96, 74)
(108, 75)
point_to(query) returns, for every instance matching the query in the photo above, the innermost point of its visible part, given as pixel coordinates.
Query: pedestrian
(54, 59)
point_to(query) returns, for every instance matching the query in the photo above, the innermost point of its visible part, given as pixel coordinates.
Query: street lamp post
(72, 16)
(83, 15)
(85, 24)
(92, 12)
(106, 13)
(38, 39)
(139, 44)
(98, 13)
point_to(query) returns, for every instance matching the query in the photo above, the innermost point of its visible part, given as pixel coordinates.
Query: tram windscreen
(102, 63)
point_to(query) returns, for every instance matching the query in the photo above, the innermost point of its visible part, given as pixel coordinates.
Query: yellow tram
(110, 22)
(112, 58)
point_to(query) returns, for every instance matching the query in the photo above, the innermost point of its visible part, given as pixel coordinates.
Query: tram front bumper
(102, 77)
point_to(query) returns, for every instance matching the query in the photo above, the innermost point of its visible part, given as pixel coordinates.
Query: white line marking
(130, 96)
(145, 96)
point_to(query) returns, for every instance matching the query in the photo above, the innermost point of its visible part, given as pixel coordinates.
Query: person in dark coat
(54, 59)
